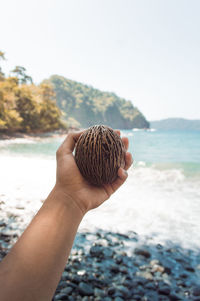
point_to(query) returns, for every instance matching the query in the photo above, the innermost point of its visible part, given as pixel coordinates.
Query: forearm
(32, 269)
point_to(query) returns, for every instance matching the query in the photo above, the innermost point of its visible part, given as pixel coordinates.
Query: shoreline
(16, 135)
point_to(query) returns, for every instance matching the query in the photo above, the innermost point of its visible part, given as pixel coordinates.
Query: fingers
(69, 143)
(122, 176)
(118, 132)
(128, 160)
(125, 142)
(124, 139)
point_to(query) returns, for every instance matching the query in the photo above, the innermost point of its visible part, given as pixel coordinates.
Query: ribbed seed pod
(99, 154)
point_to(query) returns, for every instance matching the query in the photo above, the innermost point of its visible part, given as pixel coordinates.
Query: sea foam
(162, 204)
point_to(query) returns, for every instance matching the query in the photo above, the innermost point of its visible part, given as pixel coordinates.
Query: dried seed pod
(99, 154)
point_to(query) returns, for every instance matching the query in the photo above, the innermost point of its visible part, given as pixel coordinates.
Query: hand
(71, 183)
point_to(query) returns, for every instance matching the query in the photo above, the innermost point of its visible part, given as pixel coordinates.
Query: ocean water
(160, 199)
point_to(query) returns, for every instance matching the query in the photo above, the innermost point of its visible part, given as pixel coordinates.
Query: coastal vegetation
(25, 107)
(58, 103)
(85, 106)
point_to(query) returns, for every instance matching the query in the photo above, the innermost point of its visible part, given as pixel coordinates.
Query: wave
(156, 203)
(161, 203)
(17, 141)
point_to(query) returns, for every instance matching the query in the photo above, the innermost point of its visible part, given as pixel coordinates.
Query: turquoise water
(163, 149)
(167, 149)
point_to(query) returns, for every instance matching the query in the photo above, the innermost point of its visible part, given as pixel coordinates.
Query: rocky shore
(61, 132)
(111, 266)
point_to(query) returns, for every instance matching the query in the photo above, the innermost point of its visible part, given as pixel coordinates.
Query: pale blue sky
(147, 51)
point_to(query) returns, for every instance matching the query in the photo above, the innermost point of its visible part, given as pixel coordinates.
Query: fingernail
(125, 172)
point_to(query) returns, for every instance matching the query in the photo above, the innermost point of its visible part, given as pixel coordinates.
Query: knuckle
(58, 152)
(69, 136)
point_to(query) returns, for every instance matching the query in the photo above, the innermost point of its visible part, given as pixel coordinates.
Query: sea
(160, 199)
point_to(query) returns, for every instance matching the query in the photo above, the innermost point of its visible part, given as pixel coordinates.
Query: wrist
(58, 194)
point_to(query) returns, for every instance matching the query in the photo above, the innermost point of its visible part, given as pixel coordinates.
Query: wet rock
(108, 253)
(123, 290)
(164, 289)
(189, 268)
(60, 297)
(99, 293)
(123, 270)
(163, 298)
(75, 279)
(85, 289)
(151, 296)
(101, 273)
(143, 252)
(2, 224)
(81, 273)
(137, 297)
(127, 283)
(67, 291)
(111, 291)
(159, 246)
(158, 268)
(70, 298)
(145, 274)
(139, 281)
(150, 286)
(114, 268)
(196, 291)
(118, 259)
(61, 284)
(96, 251)
(118, 299)
(107, 299)
(175, 297)
(133, 236)
(183, 275)
(65, 276)
(73, 285)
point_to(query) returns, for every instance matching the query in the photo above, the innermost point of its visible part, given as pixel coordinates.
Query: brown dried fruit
(99, 154)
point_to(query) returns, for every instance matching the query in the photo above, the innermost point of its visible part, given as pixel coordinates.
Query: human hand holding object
(73, 185)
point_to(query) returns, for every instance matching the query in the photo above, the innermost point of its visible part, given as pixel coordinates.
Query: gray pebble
(67, 290)
(164, 290)
(143, 252)
(196, 291)
(118, 299)
(85, 289)
(98, 292)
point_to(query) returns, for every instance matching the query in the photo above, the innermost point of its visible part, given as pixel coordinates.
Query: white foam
(17, 141)
(159, 203)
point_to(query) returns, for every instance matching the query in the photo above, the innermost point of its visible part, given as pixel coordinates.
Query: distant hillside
(84, 106)
(176, 124)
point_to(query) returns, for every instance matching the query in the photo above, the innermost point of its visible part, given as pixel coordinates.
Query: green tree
(28, 106)
(20, 73)
(10, 119)
(50, 114)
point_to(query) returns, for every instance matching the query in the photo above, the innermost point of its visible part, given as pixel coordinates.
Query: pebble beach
(108, 266)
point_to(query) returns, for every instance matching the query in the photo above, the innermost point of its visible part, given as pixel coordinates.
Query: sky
(147, 51)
